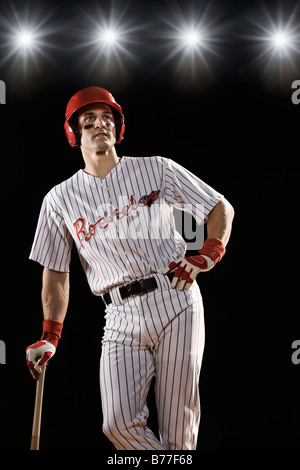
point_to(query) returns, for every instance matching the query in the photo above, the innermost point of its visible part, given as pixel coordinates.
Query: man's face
(97, 127)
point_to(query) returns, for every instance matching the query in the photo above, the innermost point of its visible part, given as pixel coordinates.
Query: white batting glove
(40, 352)
(211, 252)
(187, 270)
(37, 355)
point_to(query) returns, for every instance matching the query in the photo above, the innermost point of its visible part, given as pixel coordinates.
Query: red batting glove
(40, 352)
(189, 267)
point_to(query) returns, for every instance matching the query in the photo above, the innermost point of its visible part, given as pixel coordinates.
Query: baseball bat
(36, 426)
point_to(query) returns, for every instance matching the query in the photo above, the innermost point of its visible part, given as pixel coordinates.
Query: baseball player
(119, 214)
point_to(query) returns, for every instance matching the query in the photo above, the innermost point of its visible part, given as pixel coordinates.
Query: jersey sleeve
(187, 192)
(52, 243)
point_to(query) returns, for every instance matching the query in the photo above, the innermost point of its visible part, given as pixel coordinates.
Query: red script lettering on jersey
(103, 222)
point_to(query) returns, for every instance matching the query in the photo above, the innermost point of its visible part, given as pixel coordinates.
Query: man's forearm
(55, 294)
(219, 221)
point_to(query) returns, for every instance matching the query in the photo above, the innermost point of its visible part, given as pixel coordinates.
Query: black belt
(136, 288)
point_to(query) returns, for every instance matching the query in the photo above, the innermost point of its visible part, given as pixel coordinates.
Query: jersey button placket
(106, 194)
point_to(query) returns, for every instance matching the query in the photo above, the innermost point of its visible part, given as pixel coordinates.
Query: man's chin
(99, 147)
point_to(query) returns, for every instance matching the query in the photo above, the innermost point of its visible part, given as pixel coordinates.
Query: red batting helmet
(88, 95)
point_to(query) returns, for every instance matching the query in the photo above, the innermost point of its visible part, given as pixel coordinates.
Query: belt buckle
(134, 288)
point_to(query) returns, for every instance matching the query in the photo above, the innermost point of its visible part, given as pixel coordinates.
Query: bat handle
(36, 426)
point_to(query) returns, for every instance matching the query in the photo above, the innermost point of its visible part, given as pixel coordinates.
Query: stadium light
(280, 40)
(276, 39)
(106, 41)
(24, 39)
(109, 37)
(190, 38)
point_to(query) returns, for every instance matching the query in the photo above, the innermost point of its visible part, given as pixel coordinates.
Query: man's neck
(99, 164)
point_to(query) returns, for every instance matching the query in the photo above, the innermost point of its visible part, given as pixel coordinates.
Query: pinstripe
(159, 334)
(109, 410)
(111, 270)
(168, 349)
(186, 387)
(122, 189)
(107, 260)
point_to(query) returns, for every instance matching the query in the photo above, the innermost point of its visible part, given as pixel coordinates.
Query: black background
(238, 130)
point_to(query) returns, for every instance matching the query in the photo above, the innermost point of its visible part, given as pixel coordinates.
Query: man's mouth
(100, 134)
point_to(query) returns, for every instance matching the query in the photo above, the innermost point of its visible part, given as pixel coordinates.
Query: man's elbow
(224, 207)
(228, 208)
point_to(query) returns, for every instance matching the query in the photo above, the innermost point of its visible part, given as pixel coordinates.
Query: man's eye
(89, 118)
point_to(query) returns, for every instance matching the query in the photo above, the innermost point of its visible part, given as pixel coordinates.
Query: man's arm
(55, 300)
(219, 221)
(55, 294)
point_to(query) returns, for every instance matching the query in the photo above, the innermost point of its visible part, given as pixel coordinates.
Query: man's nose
(99, 122)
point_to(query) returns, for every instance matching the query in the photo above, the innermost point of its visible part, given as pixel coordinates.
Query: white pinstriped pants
(157, 334)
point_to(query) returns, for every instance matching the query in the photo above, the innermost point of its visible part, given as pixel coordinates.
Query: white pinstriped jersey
(123, 226)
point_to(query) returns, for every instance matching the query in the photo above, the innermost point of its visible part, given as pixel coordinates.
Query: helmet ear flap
(72, 134)
(118, 123)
